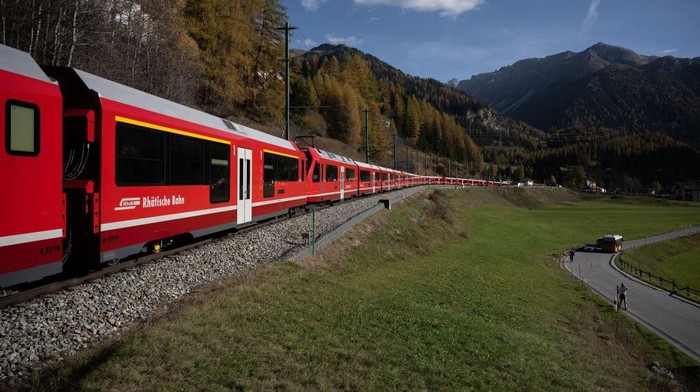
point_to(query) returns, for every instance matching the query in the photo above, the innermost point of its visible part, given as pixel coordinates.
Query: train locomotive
(94, 171)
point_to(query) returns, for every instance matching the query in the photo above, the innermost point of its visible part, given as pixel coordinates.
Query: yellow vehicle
(610, 243)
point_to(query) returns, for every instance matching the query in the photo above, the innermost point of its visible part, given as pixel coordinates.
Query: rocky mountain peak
(616, 55)
(601, 86)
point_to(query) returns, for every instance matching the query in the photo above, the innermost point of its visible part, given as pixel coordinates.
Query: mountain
(603, 86)
(484, 125)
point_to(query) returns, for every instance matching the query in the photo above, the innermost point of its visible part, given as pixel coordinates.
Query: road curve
(675, 319)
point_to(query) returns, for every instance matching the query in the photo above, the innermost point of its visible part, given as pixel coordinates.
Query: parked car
(590, 248)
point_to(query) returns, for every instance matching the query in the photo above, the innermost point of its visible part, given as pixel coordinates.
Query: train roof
(387, 170)
(335, 157)
(366, 165)
(137, 98)
(21, 63)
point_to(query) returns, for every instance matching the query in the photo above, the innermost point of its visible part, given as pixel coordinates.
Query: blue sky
(445, 39)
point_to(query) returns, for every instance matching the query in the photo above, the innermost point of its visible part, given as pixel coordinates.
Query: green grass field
(451, 290)
(676, 260)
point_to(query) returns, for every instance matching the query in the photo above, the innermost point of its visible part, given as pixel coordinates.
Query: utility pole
(407, 161)
(286, 29)
(366, 112)
(394, 151)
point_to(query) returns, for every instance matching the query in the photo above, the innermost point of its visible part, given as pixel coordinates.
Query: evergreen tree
(223, 32)
(412, 118)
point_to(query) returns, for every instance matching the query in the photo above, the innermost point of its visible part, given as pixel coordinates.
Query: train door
(322, 178)
(245, 169)
(342, 182)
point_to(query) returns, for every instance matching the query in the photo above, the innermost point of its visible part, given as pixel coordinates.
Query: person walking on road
(623, 296)
(572, 252)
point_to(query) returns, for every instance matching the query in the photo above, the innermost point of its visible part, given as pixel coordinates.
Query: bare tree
(74, 33)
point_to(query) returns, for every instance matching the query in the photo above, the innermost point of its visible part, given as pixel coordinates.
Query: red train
(95, 171)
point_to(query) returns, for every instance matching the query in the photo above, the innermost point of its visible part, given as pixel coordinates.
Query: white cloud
(309, 43)
(591, 16)
(312, 5)
(446, 7)
(668, 51)
(349, 41)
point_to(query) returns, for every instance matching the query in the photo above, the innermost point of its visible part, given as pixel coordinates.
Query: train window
(140, 156)
(316, 177)
(278, 168)
(241, 183)
(247, 176)
(21, 128)
(350, 174)
(186, 160)
(376, 176)
(219, 172)
(269, 174)
(364, 176)
(331, 173)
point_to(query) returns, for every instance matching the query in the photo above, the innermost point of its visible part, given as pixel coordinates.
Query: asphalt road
(675, 319)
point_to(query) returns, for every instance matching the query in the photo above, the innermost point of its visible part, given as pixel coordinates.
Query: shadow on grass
(59, 377)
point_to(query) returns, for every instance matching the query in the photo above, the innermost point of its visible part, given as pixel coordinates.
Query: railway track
(65, 281)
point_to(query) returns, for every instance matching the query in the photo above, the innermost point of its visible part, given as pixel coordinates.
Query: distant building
(689, 190)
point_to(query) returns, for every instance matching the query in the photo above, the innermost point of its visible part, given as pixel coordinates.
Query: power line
(286, 29)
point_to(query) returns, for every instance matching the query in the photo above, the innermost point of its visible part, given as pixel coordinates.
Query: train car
(433, 180)
(398, 179)
(409, 179)
(160, 172)
(403, 179)
(326, 175)
(452, 181)
(352, 179)
(385, 179)
(32, 209)
(395, 179)
(367, 176)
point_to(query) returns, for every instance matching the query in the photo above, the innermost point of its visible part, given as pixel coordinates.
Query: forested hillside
(633, 163)
(431, 114)
(336, 87)
(219, 55)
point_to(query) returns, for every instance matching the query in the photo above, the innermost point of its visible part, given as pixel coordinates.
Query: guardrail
(688, 292)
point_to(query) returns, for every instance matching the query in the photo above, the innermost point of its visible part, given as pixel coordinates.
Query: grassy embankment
(675, 260)
(454, 290)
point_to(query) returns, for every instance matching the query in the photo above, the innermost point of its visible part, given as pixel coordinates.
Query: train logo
(128, 203)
